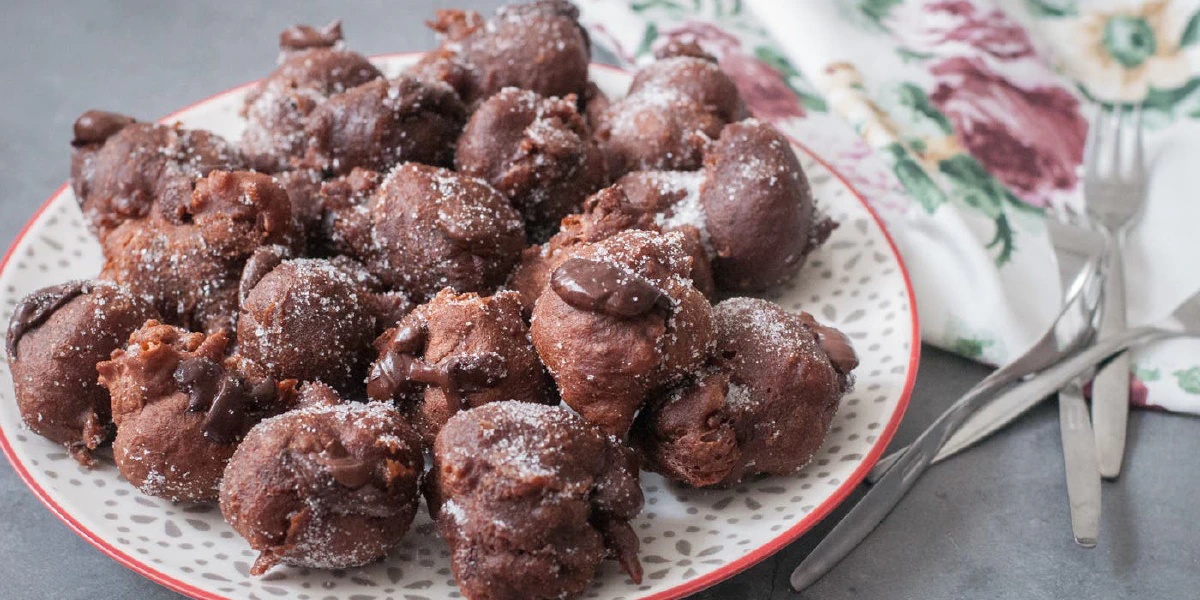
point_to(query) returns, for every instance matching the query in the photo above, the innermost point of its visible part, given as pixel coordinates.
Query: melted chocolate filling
(95, 126)
(598, 286)
(837, 347)
(349, 471)
(229, 400)
(303, 37)
(834, 343)
(388, 373)
(37, 307)
(398, 370)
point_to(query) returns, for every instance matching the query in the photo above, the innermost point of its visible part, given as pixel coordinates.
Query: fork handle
(1110, 388)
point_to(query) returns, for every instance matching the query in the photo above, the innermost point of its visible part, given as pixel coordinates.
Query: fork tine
(1091, 143)
(1139, 148)
(1119, 138)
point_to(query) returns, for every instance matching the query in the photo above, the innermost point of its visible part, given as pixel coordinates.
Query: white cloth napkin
(959, 121)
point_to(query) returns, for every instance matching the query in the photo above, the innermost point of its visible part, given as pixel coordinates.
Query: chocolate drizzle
(35, 308)
(228, 399)
(95, 126)
(304, 37)
(600, 286)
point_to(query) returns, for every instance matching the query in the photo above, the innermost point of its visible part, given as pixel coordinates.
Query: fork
(1074, 424)
(1077, 249)
(1114, 188)
(880, 499)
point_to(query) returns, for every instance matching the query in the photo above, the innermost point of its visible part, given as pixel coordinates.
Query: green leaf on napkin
(1147, 374)
(648, 4)
(1052, 8)
(1189, 380)
(776, 60)
(914, 97)
(915, 180)
(648, 38)
(878, 10)
(1191, 33)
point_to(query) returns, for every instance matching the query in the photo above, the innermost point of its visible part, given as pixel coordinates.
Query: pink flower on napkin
(1031, 139)
(766, 92)
(990, 32)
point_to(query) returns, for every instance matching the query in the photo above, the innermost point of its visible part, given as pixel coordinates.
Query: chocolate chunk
(836, 346)
(201, 379)
(263, 261)
(36, 308)
(226, 419)
(599, 286)
(95, 126)
(303, 37)
(349, 471)
(227, 398)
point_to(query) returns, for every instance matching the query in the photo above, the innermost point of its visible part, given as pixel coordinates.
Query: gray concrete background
(992, 523)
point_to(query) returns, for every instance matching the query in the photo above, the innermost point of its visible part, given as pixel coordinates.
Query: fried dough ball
(619, 321)
(538, 151)
(122, 170)
(313, 319)
(532, 499)
(537, 46)
(55, 338)
(327, 486)
(763, 408)
(456, 352)
(181, 407)
(313, 67)
(190, 271)
(759, 212)
(423, 228)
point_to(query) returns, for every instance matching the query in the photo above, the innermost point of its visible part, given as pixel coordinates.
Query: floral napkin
(962, 122)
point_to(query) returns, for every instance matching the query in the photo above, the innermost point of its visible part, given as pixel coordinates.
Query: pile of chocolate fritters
(384, 271)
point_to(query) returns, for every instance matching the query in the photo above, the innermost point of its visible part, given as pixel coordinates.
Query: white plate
(690, 539)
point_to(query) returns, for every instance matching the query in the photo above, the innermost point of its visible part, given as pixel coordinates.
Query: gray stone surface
(992, 523)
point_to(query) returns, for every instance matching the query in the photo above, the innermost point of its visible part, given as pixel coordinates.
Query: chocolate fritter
(313, 67)
(311, 319)
(424, 228)
(327, 486)
(619, 321)
(759, 208)
(121, 170)
(531, 500)
(656, 130)
(55, 338)
(456, 352)
(538, 151)
(382, 123)
(695, 77)
(606, 213)
(595, 102)
(181, 407)
(538, 46)
(764, 407)
(303, 187)
(189, 271)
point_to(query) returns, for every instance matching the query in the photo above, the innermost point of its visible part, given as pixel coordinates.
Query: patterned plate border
(689, 587)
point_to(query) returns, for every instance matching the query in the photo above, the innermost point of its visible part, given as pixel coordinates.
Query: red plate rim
(689, 587)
